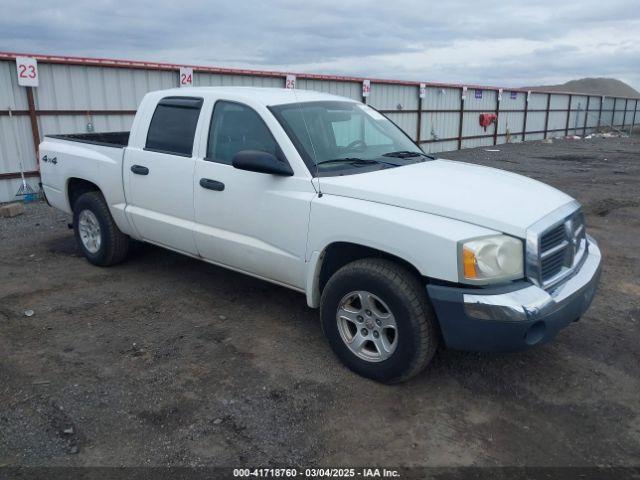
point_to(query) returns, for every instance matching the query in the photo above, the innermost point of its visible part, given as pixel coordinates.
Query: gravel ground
(165, 360)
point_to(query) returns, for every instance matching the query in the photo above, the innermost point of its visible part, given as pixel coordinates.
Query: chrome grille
(556, 246)
(553, 264)
(554, 237)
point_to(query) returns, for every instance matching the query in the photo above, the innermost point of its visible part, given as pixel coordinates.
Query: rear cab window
(173, 126)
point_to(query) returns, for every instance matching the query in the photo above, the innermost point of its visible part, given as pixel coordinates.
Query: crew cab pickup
(401, 251)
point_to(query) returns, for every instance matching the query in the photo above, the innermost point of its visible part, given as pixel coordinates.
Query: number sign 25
(366, 88)
(27, 69)
(290, 81)
(186, 77)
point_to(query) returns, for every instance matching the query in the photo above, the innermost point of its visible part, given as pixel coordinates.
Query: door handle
(211, 184)
(139, 170)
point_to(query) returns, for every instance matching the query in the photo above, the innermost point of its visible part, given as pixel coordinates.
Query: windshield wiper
(357, 161)
(407, 154)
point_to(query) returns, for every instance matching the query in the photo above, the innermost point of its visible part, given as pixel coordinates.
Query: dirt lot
(165, 360)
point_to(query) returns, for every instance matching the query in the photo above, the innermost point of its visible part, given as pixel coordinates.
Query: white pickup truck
(401, 251)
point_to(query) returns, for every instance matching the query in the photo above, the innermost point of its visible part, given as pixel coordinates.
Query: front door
(253, 222)
(160, 176)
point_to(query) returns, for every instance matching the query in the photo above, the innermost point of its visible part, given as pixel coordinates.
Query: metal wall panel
(351, 90)
(576, 121)
(533, 136)
(435, 125)
(559, 101)
(201, 79)
(76, 87)
(607, 119)
(441, 98)
(538, 101)
(607, 111)
(535, 121)
(557, 120)
(440, 147)
(487, 102)
(592, 114)
(471, 125)
(579, 101)
(392, 96)
(11, 94)
(406, 121)
(508, 103)
(62, 124)
(477, 142)
(16, 143)
(628, 118)
(618, 115)
(512, 121)
(608, 102)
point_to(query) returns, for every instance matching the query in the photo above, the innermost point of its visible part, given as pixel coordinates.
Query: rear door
(160, 175)
(253, 222)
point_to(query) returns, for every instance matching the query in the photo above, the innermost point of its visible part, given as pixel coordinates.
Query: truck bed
(105, 139)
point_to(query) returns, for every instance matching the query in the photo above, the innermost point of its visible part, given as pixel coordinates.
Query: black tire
(417, 328)
(114, 245)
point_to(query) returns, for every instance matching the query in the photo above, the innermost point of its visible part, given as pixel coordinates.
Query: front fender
(428, 242)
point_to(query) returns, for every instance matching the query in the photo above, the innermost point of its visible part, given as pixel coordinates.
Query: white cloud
(493, 42)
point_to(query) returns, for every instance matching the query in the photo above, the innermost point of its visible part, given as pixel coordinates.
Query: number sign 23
(27, 69)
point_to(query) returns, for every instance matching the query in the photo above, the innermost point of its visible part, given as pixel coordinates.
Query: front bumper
(517, 316)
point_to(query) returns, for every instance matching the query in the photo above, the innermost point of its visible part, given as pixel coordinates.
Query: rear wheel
(378, 320)
(98, 236)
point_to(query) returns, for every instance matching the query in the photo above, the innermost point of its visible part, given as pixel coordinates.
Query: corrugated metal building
(83, 94)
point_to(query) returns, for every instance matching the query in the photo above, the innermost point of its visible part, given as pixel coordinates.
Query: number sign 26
(186, 77)
(27, 69)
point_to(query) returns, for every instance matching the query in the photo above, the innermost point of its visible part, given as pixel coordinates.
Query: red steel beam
(546, 117)
(12, 175)
(461, 118)
(586, 116)
(524, 119)
(35, 131)
(566, 125)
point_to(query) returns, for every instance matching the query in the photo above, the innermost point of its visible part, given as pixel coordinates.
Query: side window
(236, 127)
(173, 125)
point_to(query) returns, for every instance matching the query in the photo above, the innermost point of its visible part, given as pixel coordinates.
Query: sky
(499, 43)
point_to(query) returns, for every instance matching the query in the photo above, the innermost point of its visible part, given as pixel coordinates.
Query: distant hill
(610, 87)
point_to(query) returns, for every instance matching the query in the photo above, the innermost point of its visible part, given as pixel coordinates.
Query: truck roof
(266, 96)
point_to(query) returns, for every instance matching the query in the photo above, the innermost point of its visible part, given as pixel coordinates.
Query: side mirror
(261, 162)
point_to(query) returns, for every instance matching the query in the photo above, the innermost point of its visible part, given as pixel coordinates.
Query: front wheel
(96, 233)
(378, 320)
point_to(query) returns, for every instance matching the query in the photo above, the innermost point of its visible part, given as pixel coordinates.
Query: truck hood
(484, 196)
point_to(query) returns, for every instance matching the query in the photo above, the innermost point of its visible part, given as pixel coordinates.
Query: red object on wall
(487, 119)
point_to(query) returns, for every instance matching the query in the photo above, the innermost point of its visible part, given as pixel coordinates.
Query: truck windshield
(337, 138)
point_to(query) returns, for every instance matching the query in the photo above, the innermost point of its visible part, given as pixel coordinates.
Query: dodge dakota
(400, 251)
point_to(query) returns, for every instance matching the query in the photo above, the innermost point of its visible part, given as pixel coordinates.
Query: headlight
(491, 259)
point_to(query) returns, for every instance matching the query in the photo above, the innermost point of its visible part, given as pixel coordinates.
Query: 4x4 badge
(53, 160)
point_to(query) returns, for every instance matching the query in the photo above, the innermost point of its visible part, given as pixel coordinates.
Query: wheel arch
(338, 254)
(77, 186)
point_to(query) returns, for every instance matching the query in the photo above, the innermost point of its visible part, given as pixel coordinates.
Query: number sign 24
(186, 76)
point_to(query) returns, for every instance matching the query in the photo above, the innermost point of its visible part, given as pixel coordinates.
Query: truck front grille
(556, 249)
(552, 265)
(554, 237)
